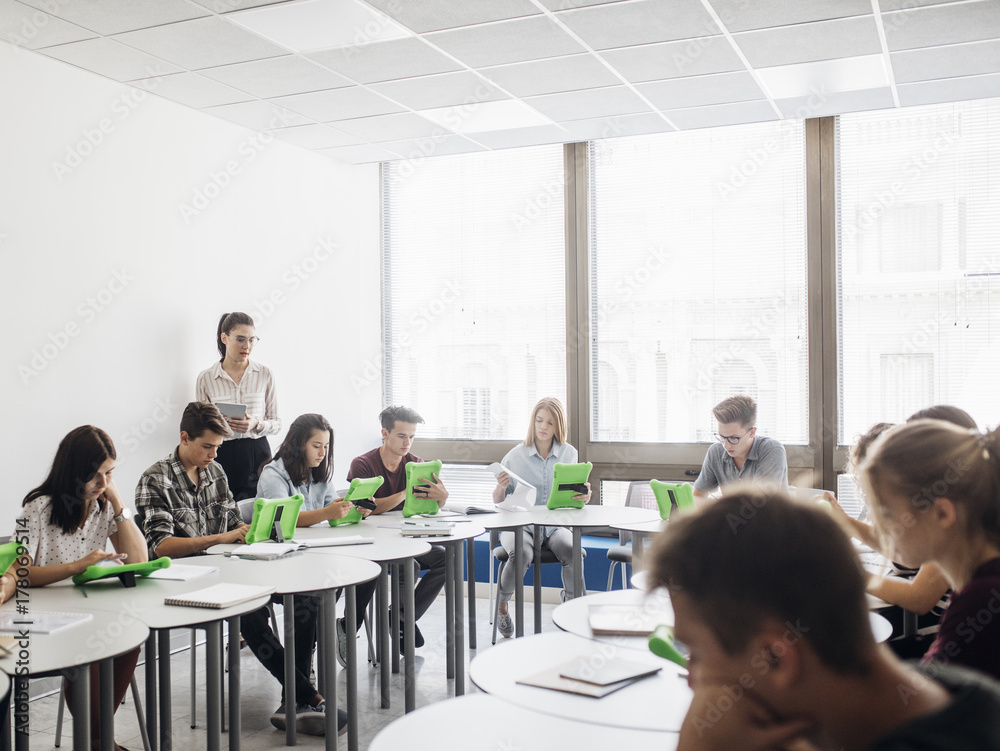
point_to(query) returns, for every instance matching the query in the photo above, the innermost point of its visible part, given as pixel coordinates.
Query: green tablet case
(8, 554)
(264, 512)
(126, 573)
(416, 472)
(568, 474)
(661, 642)
(670, 494)
(359, 490)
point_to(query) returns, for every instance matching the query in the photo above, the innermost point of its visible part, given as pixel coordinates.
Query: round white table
(639, 531)
(573, 616)
(486, 723)
(658, 703)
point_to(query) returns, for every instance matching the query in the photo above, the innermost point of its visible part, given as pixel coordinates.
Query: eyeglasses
(732, 440)
(241, 340)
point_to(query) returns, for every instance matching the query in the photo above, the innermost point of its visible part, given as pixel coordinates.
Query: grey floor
(260, 692)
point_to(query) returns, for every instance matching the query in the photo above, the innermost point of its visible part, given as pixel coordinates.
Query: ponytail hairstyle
(80, 454)
(925, 460)
(292, 450)
(227, 323)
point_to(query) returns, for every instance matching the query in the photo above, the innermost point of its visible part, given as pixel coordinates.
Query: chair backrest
(640, 495)
(245, 508)
(670, 494)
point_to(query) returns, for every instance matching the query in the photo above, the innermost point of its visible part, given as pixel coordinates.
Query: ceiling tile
(419, 148)
(338, 104)
(533, 136)
(643, 22)
(949, 90)
(194, 90)
(691, 57)
(258, 115)
(386, 61)
(202, 43)
(391, 127)
(591, 103)
(552, 75)
(835, 103)
(32, 29)
(698, 91)
(278, 76)
(442, 90)
(721, 114)
(315, 137)
(887, 5)
(361, 154)
(115, 16)
(806, 79)
(740, 15)
(566, 4)
(228, 6)
(942, 24)
(433, 15)
(506, 42)
(970, 59)
(824, 40)
(109, 58)
(616, 127)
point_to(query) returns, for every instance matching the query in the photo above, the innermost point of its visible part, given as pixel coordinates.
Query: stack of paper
(591, 675)
(425, 528)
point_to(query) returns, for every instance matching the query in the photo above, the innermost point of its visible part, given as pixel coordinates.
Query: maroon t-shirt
(370, 465)
(970, 627)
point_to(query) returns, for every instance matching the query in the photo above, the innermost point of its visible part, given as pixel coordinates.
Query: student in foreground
(388, 461)
(740, 453)
(69, 519)
(782, 660)
(186, 508)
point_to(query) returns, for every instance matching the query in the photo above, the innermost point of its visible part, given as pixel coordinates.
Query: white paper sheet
(524, 493)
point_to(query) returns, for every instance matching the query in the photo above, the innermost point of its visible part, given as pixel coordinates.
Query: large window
(918, 246)
(698, 282)
(474, 289)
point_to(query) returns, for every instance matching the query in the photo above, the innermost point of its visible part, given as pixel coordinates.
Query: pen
(83, 590)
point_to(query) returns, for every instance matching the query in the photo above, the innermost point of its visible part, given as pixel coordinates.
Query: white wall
(111, 291)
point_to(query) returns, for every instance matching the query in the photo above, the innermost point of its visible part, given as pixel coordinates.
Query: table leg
(410, 677)
(328, 658)
(235, 718)
(395, 620)
(459, 624)
(470, 556)
(638, 548)
(382, 632)
(106, 671)
(577, 567)
(449, 610)
(213, 684)
(163, 650)
(536, 569)
(350, 621)
(150, 671)
(288, 604)
(5, 724)
(518, 585)
(79, 679)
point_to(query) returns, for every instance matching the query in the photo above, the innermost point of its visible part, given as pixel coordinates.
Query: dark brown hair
(227, 323)
(946, 412)
(292, 450)
(199, 417)
(391, 415)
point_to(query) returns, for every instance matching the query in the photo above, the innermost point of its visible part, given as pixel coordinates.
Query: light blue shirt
(526, 463)
(274, 482)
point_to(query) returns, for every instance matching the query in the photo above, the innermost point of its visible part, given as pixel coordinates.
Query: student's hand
(503, 480)
(339, 508)
(585, 497)
(717, 722)
(236, 535)
(245, 425)
(112, 496)
(435, 489)
(98, 556)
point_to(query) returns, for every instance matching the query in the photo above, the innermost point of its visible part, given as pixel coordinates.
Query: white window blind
(698, 281)
(918, 250)
(473, 300)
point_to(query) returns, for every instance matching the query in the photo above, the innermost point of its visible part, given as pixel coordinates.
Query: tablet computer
(126, 573)
(232, 411)
(417, 475)
(568, 480)
(362, 489)
(8, 554)
(268, 511)
(670, 494)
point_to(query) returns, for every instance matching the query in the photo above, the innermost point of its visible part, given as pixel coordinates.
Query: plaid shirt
(170, 505)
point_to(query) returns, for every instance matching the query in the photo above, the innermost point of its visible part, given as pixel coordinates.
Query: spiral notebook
(220, 596)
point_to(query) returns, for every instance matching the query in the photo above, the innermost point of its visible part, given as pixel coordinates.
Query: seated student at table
(186, 508)
(388, 461)
(534, 461)
(69, 519)
(740, 454)
(777, 657)
(935, 491)
(304, 465)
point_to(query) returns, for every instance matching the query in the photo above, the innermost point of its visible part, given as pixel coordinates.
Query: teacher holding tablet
(244, 392)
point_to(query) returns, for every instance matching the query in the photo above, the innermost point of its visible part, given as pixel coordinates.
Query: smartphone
(232, 411)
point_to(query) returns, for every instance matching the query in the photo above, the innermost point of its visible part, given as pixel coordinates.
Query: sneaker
(418, 638)
(505, 625)
(341, 643)
(563, 596)
(312, 720)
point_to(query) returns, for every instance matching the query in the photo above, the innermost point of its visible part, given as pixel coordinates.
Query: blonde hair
(555, 408)
(925, 460)
(739, 409)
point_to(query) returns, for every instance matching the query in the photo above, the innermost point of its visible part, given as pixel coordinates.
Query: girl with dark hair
(69, 519)
(236, 379)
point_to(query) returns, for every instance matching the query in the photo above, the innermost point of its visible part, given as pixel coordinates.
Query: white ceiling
(370, 80)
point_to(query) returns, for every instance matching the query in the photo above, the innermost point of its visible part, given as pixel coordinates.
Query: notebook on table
(220, 596)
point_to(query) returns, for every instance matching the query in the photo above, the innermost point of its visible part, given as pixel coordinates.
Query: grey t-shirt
(766, 461)
(971, 722)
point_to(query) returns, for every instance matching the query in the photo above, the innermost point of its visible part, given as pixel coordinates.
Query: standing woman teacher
(237, 379)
